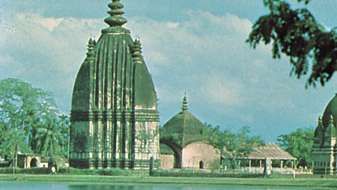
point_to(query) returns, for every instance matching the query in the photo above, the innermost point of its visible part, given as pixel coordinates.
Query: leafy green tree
(22, 107)
(299, 144)
(63, 123)
(49, 138)
(30, 114)
(13, 142)
(311, 48)
(215, 136)
(245, 142)
(240, 143)
(234, 145)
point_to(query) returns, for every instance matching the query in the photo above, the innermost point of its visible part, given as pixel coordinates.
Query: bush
(107, 172)
(71, 171)
(199, 173)
(25, 171)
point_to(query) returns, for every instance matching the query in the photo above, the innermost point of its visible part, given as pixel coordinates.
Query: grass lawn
(86, 179)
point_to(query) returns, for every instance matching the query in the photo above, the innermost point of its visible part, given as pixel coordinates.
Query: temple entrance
(201, 165)
(33, 163)
(176, 152)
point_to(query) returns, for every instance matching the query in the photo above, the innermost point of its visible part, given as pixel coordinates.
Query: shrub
(199, 173)
(25, 171)
(107, 172)
(71, 171)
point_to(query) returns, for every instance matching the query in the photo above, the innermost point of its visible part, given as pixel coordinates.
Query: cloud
(45, 51)
(205, 54)
(53, 48)
(228, 82)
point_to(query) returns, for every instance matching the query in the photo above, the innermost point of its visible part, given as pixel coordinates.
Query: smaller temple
(183, 143)
(324, 149)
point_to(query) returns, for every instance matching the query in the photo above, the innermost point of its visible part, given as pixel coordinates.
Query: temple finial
(137, 51)
(91, 49)
(185, 103)
(116, 14)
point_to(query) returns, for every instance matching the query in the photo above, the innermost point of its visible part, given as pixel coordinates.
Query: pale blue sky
(192, 45)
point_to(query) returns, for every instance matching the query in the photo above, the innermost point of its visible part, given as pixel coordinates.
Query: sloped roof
(183, 128)
(271, 151)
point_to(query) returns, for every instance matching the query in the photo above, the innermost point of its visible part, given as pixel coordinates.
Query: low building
(183, 144)
(279, 158)
(267, 158)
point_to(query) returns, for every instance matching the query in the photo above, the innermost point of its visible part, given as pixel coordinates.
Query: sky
(197, 46)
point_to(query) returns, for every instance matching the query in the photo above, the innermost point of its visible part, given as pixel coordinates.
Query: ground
(307, 181)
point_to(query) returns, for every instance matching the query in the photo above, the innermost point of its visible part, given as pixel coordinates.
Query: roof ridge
(184, 125)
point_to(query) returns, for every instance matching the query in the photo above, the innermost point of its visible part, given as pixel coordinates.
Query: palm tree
(49, 138)
(64, 124)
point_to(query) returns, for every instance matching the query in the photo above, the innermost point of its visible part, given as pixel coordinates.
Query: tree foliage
(299, 144)
(236, 144)
(51, 137)
(25, 113)
(295, 33)
(13, 142)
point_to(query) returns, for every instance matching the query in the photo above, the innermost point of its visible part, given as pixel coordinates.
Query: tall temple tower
(114, 116)
(324, 150)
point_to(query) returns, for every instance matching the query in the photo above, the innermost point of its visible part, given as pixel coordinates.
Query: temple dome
(183, 128)
(330, 110)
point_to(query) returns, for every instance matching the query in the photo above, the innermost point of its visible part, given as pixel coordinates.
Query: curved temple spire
(116, 14)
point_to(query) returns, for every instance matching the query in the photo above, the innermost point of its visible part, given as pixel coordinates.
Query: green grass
(86, 179)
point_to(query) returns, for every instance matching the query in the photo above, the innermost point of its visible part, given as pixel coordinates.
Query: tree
(49, 138)
(237, 145)
(30, 115)
(298, 144)
(246, 142)
(64, 125)
(311, 48)
(13, 142)
(23, 107)
(240, 143)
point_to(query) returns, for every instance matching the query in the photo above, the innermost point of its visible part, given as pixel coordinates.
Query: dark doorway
(201, 165)
(33, 163)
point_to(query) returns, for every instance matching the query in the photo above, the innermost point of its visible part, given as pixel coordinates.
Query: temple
(114, 116)
(324, 149)
(183, 143)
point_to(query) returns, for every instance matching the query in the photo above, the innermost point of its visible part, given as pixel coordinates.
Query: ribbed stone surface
(114, 100)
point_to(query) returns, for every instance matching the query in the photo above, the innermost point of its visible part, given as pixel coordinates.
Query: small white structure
(32, 161)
